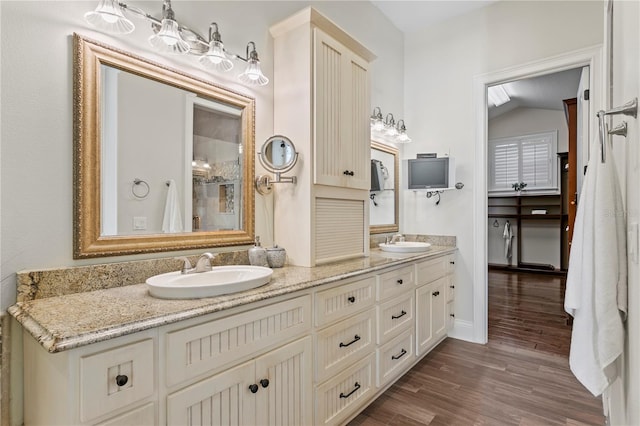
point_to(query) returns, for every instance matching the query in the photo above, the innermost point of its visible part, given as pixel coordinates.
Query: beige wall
(441, 63)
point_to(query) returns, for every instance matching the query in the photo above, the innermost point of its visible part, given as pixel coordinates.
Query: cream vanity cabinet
(322, 103)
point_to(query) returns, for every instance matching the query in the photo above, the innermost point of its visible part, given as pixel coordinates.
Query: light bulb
(168, 39)
(108, 17)
(215, 58)
(253, 74)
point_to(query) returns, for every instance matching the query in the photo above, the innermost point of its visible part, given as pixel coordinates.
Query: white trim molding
(592, 57)
(462, 330)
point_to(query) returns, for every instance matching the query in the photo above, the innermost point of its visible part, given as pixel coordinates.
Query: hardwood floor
(521, 377)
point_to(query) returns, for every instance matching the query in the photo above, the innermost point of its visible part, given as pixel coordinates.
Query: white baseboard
(463, 330)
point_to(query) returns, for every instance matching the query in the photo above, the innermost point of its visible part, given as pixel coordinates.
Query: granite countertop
(70, 321)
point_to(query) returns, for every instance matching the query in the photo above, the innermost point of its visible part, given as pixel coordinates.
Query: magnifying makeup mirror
(278, 155)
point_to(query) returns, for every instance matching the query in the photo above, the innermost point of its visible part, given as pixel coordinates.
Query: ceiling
(410, 16)
(545, 92)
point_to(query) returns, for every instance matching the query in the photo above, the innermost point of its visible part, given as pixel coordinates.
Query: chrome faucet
(202, 265)
(397, 238)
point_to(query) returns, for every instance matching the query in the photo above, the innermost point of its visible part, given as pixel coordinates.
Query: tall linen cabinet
(322, 103)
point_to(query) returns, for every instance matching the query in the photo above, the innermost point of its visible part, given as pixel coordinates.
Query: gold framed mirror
(383, 211)
(162, 160)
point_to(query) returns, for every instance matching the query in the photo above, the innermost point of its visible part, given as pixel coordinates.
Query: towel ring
(141, 194)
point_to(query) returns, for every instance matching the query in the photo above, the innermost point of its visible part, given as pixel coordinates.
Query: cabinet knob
(351, 299)
(400, 281)
(452, 262)
(121, 380)
(452, 286)
(253, 388)
(264, 383)
(452, 315)
(435, 293)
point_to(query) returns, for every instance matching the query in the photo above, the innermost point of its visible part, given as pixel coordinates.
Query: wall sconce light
(388, 129)
(172, 37)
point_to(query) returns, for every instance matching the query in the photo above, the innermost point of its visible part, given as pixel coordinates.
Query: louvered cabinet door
(341, 111)
(339, 229)
(285, 388)
(223, 399)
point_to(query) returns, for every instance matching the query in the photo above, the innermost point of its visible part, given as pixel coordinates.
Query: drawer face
(430, 270)
(344, 300)
(394, 316)
(115, 378)
(214, 344)
(142, 416)
(343, 343)
(395, 282)
(394, 356)
(339, 397)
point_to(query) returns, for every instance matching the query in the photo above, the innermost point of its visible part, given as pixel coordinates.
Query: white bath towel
(172, 221)
(508, 238)
(596, 293)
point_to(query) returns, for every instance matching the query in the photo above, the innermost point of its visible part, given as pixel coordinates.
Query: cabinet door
(341, 111)
(430, 314)
(223, 399)
(284, 378)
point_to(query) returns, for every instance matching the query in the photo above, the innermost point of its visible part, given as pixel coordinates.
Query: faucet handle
(186, 265)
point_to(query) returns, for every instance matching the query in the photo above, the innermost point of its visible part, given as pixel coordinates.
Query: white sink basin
(405, 247)
(220, 280)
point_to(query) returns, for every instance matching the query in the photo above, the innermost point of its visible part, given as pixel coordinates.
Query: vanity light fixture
(252, 74)
(388, 130)
(172, 37)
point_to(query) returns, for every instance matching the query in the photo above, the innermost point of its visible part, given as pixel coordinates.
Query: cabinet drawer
(394, 356)
(212, 345)
(430, 270)
(344, 300)
(343, 343)
(115, 378)
(341, 396)
(395, 282)
(141, 416)
(394, 316)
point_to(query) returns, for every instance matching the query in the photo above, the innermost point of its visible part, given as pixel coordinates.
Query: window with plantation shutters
(530, 159)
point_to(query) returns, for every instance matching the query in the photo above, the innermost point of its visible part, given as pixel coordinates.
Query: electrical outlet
(139, 223)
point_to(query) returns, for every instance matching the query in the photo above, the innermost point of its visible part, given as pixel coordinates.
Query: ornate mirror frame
(391, 227)
(88, 242)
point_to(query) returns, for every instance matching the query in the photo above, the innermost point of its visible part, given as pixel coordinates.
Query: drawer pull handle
(121, 380)
(435, 293)
(355, 339)
(348, 173)
(402, 313)
(264, 383)
(400, 281)
(356, 387)
(400, 355)
(253, 388)
(452, 262)
(351, 299)
(452, 286)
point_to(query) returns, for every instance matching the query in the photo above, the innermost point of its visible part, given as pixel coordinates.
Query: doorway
(590, 57)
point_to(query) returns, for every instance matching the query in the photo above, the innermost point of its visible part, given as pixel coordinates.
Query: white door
(625, 85)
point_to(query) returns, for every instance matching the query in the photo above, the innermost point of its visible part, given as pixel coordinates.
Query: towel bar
(630, 108)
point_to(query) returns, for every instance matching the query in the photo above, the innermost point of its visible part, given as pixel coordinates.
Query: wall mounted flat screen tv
(430, 173)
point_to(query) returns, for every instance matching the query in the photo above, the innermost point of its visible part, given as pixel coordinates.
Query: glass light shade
(108, 17)
(403, 138)
(215, 58)
(168, 39)
(377, 124)
(391, 131)
(253, 74)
